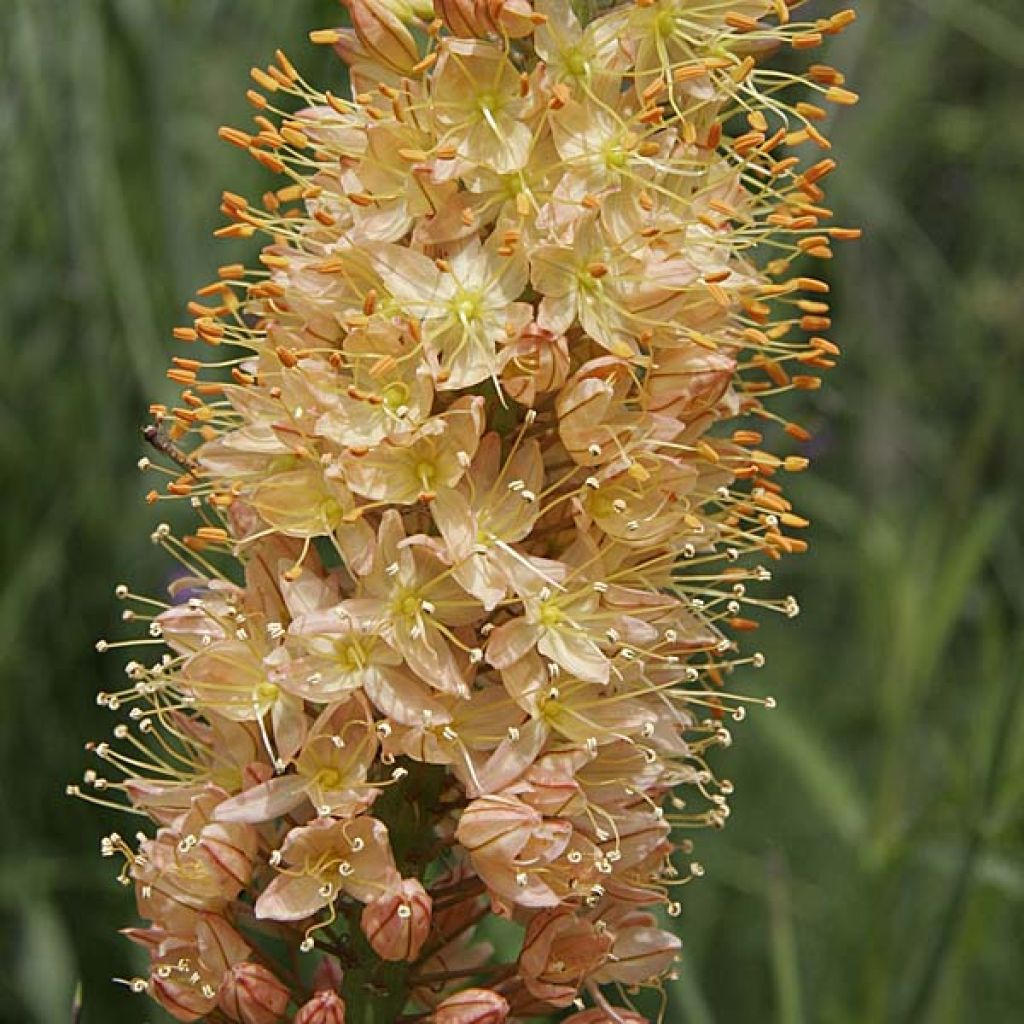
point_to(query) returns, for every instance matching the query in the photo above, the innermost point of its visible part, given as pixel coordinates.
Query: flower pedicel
(479, 460)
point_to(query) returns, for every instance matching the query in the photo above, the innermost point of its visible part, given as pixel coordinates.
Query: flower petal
(290, 898)
(264, 802)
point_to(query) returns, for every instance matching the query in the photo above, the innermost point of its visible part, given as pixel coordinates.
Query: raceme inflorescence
(478, 458)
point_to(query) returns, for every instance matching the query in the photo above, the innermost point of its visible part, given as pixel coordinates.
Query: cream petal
(264, 802)
(578, 655)
(456, 522)
(638, 954)
(557, 312)
(402, 698)
(430, 657)
(290, 725)
(511, 641)
(290, 898)
(510, 760)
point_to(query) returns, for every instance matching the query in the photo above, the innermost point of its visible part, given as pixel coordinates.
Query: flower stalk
(487, 474)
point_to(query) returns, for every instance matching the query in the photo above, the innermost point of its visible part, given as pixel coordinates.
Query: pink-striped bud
(383, 35)
(478, 18)
(397, 923)
(539, 363)
(560, 951)
(179, 980)
(220, 946)
(250, 994)
(324, 1008)
(182, 998)
(472, 1006)
(598, 1016)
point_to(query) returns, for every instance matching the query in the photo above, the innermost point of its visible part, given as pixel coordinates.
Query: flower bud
(560, 951)
(599, 1016)
(503, 835)
(220, 946)
(250, 994)
(324, 1008)
(397, 923)
(537, 362)
(478, 18)
(180, 996)
(230, 850)
(472, 1006)
(180, 980)
(383, 35)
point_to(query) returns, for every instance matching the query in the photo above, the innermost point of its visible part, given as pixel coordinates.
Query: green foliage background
(873, 869)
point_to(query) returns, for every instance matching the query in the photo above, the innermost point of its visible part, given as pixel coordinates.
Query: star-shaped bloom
(466, 310)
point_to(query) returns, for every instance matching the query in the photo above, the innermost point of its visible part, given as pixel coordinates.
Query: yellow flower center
(282, 464)
(467, 305)
(426, 473)
(407, 604)
(550, 614)
(395, 395)
(349, 655)
(665, 23)
(328, 779)
(615, 158)
(488, 103)
(550, 710)
(331, 511)
(511, 185)
(267, 693)
(601, 506)
(576, 63)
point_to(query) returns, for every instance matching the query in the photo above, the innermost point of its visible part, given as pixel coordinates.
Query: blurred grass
(873, 870)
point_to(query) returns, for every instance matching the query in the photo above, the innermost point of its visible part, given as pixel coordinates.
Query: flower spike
(487, 477)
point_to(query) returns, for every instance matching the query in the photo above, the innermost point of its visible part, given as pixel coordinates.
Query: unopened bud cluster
(479, 455)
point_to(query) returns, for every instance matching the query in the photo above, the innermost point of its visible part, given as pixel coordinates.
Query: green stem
(921, 1000)
(375, 995)
(469, 972)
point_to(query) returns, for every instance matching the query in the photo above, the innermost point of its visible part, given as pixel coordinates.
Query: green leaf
(820, 772)
(45, 967)
(687, 1003)
(785, 955)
